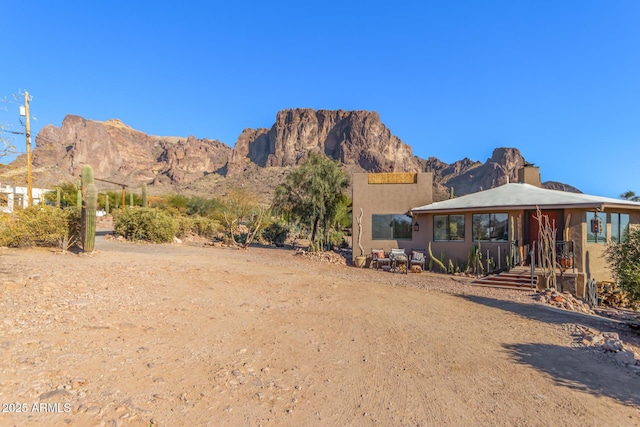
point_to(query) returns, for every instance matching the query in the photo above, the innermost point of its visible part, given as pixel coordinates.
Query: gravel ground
(171, 335)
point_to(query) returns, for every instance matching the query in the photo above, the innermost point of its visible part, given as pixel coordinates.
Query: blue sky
(560, 80)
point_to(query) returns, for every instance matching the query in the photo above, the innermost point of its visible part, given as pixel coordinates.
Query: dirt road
(180, 335)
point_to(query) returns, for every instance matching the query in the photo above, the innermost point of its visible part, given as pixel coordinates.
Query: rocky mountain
(355, 138)
(120, 153)
(260, 157)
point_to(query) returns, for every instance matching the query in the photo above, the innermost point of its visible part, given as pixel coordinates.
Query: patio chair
(378, 258)
(419, 257)
(399, 256)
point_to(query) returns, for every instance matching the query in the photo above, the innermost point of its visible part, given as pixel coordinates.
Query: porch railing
(565, 255)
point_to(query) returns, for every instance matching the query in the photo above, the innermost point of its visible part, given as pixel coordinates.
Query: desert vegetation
(624, 259)
(313, 198)
(311, 204)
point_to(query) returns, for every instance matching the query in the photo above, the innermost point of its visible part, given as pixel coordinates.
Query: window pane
(401, 227)
(500, 227)
(480, 227)
(440, 228)
(624, 226)
(381, 227)
(456, 227)
(615, 227)
(391, 227)
(619, 223)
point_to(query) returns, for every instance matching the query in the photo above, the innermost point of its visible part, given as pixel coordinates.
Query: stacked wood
(611, 295)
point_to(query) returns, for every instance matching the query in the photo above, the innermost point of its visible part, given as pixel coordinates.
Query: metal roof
(524, 196)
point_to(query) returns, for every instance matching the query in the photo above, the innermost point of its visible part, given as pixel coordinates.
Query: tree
(624, 259)
(313, 194)
(241, 207)
(68, 195)
(630, 195)
(6, 147)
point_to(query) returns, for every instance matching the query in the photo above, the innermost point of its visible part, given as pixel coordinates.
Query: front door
(534, 227)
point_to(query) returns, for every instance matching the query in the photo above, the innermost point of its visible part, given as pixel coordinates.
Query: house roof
(524, 196)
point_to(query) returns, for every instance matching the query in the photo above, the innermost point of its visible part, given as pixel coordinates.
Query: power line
(12, 131)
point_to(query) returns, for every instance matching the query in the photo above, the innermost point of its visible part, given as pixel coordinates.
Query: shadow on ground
(569, 368)
(544, 314)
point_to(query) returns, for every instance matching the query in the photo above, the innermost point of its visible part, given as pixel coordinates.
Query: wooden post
(28, 135)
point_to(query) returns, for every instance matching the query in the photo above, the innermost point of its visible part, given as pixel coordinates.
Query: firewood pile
(611, 295)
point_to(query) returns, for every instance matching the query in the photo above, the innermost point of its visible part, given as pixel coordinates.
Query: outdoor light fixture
(416, 226)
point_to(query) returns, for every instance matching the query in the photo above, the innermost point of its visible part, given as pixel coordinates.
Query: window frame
(492, 220)
(391, 220)
(619, 229)
(447, 230)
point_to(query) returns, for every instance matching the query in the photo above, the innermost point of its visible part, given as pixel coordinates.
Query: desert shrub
(203, 207)
(624, 259)
(203, 227)
(73, 219)
(275, 233)
(35, 226)
(336, 238)
(150, 224)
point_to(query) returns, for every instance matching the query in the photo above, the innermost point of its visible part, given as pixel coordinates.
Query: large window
(492, 227)
(596, 227)
(391, 227)
(448, 227)
(619, 224)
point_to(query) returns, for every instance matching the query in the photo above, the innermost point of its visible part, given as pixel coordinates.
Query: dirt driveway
(181, 335)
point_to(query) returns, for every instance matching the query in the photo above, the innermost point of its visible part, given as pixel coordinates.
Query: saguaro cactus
(58, 197)
(106, 204)
(144, 195)
(130, 200)
(89, 205)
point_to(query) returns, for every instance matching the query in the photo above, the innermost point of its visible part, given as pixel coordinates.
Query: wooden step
(507, 281)
(514, 287)
(503, 283)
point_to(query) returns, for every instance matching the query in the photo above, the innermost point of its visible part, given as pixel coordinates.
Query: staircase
(508, 280)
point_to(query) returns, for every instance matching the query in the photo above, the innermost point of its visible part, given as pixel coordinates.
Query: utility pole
(28, 134)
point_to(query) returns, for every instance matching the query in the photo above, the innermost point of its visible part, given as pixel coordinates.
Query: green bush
(201, 226)
(624, 259)
(35, 226)
(150, 224)
(275, 233)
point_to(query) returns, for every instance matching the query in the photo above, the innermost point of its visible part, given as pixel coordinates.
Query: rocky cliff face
(467, 176)
(352, 137)
(119, 152)
(261, 157)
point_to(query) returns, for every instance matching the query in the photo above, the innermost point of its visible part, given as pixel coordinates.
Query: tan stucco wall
(386, 199)
(458, 251)
(590, 260)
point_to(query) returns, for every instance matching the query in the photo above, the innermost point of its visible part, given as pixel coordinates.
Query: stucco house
(12, 198)
(502, 220)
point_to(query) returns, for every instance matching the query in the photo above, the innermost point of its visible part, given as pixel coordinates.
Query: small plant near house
(436, 260)
(474, 261)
